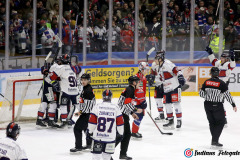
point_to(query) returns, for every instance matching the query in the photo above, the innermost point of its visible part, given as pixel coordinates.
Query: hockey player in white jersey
(68, 86)
(226, 64)
(105, 122)
(172, 79)
(158, 93)
(9, 148)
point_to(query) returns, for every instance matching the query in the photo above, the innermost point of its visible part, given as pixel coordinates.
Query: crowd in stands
(149, 25)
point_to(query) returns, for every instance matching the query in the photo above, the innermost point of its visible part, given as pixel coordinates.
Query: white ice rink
(50, 144)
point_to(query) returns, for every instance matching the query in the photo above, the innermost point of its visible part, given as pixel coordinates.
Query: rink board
(115, 78)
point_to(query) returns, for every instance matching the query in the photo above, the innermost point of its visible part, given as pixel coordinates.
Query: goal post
(22, 92)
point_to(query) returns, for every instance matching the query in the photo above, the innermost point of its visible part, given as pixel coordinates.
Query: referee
(214, 91)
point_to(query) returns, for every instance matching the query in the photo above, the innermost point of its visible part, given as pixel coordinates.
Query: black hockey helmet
(107, 95)
(160, 55)
(131, 79)
(65, 58)
(214, 72)
(86, 76)
(13, 130)
(225, 55)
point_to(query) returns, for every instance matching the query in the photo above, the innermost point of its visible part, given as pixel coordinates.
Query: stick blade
(150, 51)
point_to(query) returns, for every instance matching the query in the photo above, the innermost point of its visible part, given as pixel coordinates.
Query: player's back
(68, 81)
(106, 113)
(11, 149)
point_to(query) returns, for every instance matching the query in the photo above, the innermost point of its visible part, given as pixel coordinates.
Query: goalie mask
(107, 95)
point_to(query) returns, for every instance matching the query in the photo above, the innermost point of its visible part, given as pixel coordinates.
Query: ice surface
(50, 144)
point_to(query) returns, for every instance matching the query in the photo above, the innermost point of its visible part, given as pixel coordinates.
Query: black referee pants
(216, 118)
(81, 125)
(126, 136)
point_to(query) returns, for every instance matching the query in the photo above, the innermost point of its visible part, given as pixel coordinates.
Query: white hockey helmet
(143, 66)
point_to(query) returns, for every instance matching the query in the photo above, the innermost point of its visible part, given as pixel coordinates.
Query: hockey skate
(86, 148)
(63, 125)
(169, 125)
(40, 123)
(160, 118)
(52, 124)
(75, 150)
(125, 157)
(137, 135)
(179, 124)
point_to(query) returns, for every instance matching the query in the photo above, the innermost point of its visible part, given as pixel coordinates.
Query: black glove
(56, 86)
(143, 105)
(119, 137)
(89, 136)
(44, 70)
(232, 54)
(209, 50)
(150, 79)
(181, 80)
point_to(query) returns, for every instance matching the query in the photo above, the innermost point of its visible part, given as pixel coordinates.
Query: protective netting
(25, 102)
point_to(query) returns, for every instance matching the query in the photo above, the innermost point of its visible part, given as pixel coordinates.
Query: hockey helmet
(214, 72)
(143, 66)
(107, 95)
(225, 55)
(13, 130)
(57, 59)
(86, 76)
(160, 55)
(132, 79)
(65, 58)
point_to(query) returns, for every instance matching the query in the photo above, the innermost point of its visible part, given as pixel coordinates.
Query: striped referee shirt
(125, 101)
(88, 99)
(216, 90)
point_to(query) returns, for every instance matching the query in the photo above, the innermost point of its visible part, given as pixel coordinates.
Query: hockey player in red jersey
(140, 95)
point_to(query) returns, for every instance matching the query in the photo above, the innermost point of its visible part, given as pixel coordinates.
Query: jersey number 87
(102, 124)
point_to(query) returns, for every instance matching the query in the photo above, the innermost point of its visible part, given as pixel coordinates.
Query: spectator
(199, 44)
(210, 12)
(180, 32)
(170, 12)
(126, 38)
(201, 6)
(115, 36)
(129, 20)
(154, 35)
(51, 4)
(54, 12)
(2, 34)
(231, 35)
(125, 10)
(67, 35)
(100, 37)
(169, 40)
(141, 21)
(24, 38)
(200, 17)
(187, 16)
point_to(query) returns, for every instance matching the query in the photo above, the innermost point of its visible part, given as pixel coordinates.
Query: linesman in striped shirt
(214, 91)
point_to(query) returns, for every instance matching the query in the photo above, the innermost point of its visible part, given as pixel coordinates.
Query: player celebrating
(226, 64)
(105, 120)
(86, 103)
(140, 95)
(9, 148)
(68, 85)
(172, 79)
(158, 94)
(127, 107)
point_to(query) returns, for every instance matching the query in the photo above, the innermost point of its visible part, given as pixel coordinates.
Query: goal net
(21, 99)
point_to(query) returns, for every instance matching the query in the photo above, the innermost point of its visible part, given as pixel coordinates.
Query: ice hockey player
(86, 103)
(140, 98)
(226, 64)
(105, 122)
(172, 79)
(214, 91)
(68, 86)
(127, 107)
(9, 148)
(158, 93)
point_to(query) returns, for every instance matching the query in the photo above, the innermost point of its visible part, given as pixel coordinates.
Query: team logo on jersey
(188, 152)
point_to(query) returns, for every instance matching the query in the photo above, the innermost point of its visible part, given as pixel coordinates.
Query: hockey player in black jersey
(86, 103)
(214, 91)
(127, 106)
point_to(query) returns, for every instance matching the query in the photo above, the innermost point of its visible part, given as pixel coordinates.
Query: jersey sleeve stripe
(92, 119)
(175, 70)
(229, 67)
(119, 120)
(214, 62)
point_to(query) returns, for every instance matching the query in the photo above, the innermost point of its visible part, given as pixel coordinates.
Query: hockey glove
(44, 70)
(143, 105)
(181, 80)
(209, 50)
(232, 54)
(150, 79)
(119, 137)
(56, 86)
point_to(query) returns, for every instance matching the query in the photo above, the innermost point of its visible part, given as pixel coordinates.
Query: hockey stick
(148, 54)
(167, 133)
(7, 100)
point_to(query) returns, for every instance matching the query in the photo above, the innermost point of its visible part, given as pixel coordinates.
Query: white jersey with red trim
(68, 82)
(104, 119)
(169, 75)
(225, 68)
(9, 148)
(154, 71)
